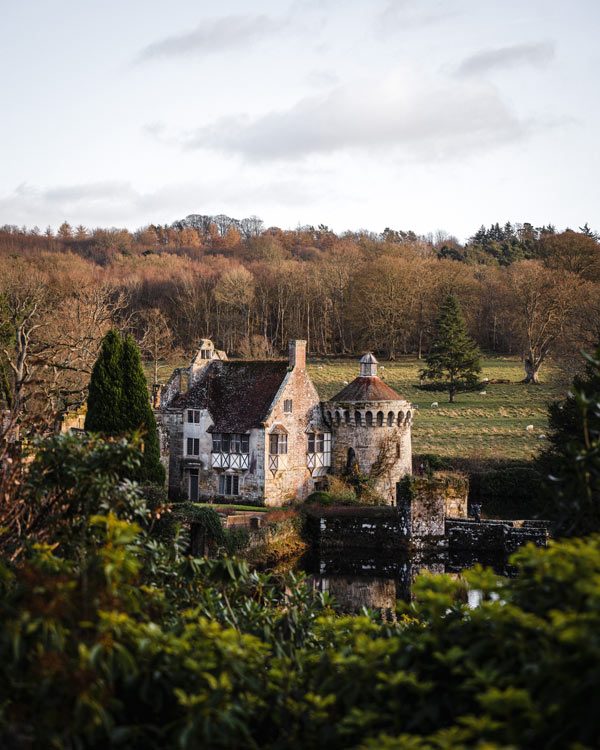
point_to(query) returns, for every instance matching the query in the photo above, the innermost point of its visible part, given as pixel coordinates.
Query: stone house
(256, 431)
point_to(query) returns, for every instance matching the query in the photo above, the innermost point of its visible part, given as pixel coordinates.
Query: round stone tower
(371, 429)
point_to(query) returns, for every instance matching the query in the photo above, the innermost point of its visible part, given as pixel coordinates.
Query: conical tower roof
(367, 386)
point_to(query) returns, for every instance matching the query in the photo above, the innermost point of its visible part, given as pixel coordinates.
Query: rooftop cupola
(368, 366)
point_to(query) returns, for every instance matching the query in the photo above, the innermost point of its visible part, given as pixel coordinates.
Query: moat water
(364, 580)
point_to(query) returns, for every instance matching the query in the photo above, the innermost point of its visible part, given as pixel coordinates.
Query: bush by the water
(511, 492)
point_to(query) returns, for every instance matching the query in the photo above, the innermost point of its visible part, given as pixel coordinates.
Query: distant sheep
(529, 428)
(541, 437)
(345, 382)
(482, 393)
(434, 405)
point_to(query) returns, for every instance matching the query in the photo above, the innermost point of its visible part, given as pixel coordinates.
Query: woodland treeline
(524, 290)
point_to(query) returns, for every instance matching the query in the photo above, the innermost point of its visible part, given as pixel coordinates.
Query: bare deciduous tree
(540, 305)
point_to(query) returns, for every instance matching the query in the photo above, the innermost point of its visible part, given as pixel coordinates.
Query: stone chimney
(298, 354)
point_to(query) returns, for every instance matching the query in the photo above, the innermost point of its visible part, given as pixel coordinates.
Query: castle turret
(371, 426)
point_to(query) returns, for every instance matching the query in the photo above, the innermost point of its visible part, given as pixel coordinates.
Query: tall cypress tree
(454, 357)
(105, 391)
(137, 413)
(118, 402)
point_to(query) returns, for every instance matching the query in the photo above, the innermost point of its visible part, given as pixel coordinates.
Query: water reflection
(376, 582)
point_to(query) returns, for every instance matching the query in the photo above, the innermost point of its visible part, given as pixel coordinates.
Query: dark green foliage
(206, 519)
(505, 244)
(454, 356)
(565, 418)
(118, 402)
(511, 492)
(134, 644)
(319, 498)
(137, 413)
(573, 461)
(105, 394)
(406, 490)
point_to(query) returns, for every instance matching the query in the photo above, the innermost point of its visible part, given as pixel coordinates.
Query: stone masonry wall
(292, 481)
(382, 450)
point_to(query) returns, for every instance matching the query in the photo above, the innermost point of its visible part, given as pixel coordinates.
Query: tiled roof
(367, 388)
(237, 394)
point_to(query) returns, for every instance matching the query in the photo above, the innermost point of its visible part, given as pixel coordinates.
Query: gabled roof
(367, 388)
(237, 394)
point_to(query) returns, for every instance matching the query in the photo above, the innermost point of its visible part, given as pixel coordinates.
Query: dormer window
(193, 416)
(205, 353)
(288, 406)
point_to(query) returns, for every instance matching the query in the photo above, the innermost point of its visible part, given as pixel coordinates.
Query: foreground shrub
(116, 639)
(213, 655)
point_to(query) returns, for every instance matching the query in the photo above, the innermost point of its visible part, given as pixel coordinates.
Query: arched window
(347, 417)
(338, 417)
(400, 417)
(390, 418)
(357, 417)
(369, 418)
(351, 460)
(379, 419)
(329, 419)
(408, 416)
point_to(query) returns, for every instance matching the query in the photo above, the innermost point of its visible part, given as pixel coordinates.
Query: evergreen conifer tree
(454, 356)
(573, 458)
(137, 413)
(106, 388)
(118, 402)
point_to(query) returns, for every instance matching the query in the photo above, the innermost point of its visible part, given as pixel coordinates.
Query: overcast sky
(412, 114)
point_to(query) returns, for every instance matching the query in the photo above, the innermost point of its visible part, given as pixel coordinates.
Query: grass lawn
(476, 426)
(490, 426)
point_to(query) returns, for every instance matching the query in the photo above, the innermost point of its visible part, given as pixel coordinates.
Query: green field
(490, 426)
(476, 426)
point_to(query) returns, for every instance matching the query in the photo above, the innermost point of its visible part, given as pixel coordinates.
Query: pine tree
(118, 402)
(454, 356)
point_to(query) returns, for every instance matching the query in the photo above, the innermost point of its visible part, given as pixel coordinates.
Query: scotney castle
(257, 432)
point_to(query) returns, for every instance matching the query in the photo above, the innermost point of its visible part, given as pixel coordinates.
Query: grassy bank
(478, 426)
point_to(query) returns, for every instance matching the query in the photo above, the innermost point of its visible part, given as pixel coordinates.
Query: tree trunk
(531, 371)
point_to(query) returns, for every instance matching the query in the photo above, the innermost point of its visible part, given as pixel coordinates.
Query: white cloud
(415, 118)
(535, 54)
(118, 203)
(402, 15)
(213, 35)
